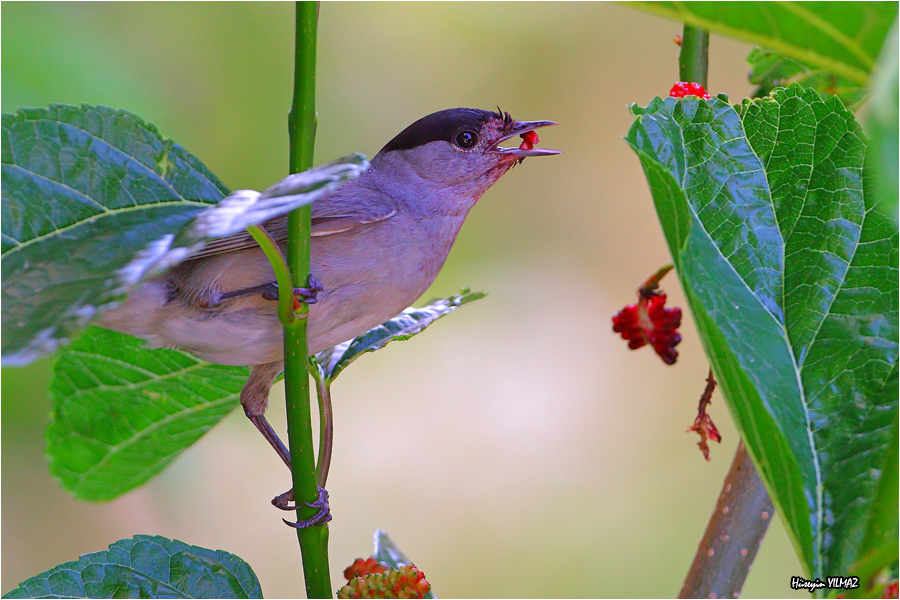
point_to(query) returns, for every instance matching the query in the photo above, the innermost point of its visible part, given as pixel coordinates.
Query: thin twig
(703, 424)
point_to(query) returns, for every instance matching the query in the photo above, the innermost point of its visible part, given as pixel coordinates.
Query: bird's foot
(309, 294)
(283, 502)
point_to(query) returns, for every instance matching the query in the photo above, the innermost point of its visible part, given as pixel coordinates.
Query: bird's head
(460, 148)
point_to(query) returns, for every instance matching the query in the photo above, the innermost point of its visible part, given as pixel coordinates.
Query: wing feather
(331, 215)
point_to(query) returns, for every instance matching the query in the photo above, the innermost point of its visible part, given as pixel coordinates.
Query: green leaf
(122, 413)
(329, 363)
(843, 38)
(792, 280)
(83, 190)
(146, 567)
(387, 553)
(94, 199)
(770, 69)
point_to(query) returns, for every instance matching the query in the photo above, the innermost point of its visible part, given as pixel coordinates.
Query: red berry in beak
(529, 139)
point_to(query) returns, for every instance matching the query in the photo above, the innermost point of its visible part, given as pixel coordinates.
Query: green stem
(302, 131)
(282, 274)
(693, 62)
(652, 282)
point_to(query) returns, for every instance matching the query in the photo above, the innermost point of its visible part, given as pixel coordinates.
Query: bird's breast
(371, 275)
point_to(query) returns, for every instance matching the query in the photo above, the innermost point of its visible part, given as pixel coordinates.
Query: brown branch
(733, 535)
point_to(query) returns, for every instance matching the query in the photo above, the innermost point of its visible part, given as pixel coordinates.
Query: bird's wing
(330, 224)
(332, 215)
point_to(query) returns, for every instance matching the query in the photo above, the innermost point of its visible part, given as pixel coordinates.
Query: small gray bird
(378, 242)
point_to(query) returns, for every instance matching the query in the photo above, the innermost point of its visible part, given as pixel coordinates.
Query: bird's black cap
(441, 126)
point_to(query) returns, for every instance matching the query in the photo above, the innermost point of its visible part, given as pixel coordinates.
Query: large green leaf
(843, 38)
(146, 567)
(94, 199)
(122, 413)
(792, 279)
(84, 189)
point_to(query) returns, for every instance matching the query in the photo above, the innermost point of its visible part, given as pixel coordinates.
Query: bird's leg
(255, 400)
(269, 291)
(262, 424)
(250, 291)
(213, 298)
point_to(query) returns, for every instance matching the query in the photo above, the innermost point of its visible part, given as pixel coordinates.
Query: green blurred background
(515, 449)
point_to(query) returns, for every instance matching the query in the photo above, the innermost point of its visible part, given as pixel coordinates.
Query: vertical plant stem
(302, 131)
(693, 62)
(744, 510)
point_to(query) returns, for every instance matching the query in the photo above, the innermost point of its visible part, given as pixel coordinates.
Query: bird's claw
(321, 503)
(283, 501)
(314, 284)
(308, 295)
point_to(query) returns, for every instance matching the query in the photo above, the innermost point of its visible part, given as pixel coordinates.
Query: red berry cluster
(362, 567)
(684, 88)
(650, 322)
(891, 591)
(370, 579)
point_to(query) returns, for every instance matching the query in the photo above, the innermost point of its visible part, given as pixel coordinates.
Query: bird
(377, 243)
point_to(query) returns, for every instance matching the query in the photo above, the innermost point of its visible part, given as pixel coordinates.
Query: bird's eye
(466, 139)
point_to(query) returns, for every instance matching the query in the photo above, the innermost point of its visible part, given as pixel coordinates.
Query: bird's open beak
(525, 149)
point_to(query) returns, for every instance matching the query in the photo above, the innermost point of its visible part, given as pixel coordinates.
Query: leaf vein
(143, 433)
